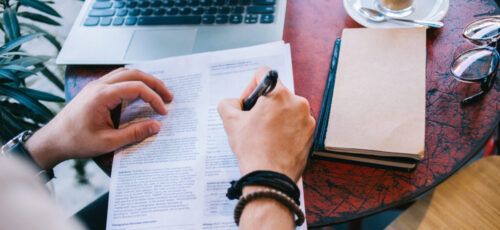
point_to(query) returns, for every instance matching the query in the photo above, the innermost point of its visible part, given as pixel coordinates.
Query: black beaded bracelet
(269, 179)
(276, 195)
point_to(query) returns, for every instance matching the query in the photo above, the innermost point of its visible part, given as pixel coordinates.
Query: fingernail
(154, 128)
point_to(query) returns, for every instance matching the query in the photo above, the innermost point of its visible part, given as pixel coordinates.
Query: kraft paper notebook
(377, 110)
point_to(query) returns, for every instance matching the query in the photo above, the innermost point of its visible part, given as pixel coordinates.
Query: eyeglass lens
(484, 31)
(475, 64)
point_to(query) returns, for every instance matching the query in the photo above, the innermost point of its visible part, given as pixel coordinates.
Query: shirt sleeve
(26, 203)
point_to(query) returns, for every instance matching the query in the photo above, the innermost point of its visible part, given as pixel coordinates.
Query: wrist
(42, 150)
(269, 213)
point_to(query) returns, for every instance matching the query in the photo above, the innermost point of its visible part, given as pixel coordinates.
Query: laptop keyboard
(179, 12)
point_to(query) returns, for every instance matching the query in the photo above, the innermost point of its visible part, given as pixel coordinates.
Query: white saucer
(431, 10)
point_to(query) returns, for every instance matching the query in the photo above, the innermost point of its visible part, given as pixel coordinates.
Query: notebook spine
(322, 124)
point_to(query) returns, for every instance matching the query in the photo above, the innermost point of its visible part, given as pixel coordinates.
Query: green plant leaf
(10, 127)
(15, 43)
(30, 60)
(41, 96)
(51, 76)
(19, 68)
(18, 123)
(11, 54)
(9, 75)
(52, 39)
(19, 110)
(39, 18)
(26, 100)
(10, 120)
(41, 6)
(27, 74)
(11, 25)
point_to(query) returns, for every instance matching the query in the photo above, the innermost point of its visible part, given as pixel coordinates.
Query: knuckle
(281, 94)
(312, 123)
(220, 106)
(134, 72)
(139, 134)
(156, 80)
(222, 109)
(137, 85)
(302, 101)
(102, 90)
(158, 84)
(93, 83)
(283, 91)
(302, 104)
(109, 142)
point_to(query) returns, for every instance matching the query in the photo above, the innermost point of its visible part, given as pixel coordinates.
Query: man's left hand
(84, 127)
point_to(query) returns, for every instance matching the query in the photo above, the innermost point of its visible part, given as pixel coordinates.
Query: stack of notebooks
(374, 102)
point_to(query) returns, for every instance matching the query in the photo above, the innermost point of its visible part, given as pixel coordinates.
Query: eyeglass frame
(487, 81)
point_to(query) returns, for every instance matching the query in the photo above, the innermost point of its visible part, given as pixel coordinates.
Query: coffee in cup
(395, 8)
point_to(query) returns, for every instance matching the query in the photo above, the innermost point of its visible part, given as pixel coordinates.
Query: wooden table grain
(335, 191)
(468, 200)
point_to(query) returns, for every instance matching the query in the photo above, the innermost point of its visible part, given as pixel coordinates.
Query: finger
(280, 95)
(257, 77)
(132, 90)
(114, 72)
(229, 108)
(137, 75)
(133, 133)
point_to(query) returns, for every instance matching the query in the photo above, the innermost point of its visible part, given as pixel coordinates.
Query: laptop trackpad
(154, 44)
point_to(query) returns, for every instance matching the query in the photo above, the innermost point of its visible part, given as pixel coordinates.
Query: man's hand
(84, 127)
(275, 135)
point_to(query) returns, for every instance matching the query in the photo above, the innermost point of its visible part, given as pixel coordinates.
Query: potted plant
(22, 108)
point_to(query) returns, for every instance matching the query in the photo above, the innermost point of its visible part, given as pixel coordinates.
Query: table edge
(415, 196)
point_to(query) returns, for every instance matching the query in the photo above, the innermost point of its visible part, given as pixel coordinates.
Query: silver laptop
(126, 31)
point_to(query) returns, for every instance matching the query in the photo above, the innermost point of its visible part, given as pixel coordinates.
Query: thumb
(229, 108)
(135, 132)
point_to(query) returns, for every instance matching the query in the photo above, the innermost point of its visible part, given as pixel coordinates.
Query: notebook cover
(378, 105)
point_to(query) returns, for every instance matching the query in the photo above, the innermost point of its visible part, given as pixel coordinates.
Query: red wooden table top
(337, 192)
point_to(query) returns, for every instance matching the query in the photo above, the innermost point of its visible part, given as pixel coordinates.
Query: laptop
(127, 31)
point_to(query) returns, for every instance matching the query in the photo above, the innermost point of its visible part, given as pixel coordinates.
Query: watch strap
(19, 150)
(15, 148)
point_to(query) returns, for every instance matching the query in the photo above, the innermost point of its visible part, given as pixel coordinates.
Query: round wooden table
(337, 192)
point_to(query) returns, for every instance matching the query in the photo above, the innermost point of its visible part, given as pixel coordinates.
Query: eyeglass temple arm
(473, 98)
(486, 86)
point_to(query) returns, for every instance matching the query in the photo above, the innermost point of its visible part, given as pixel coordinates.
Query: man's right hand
(275, 135)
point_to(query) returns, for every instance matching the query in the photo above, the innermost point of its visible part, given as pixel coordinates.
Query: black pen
(263, 88)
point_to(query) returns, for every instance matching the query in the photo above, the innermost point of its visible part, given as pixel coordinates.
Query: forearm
(265, 214)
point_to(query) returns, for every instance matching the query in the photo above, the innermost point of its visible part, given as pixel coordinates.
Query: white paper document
(178, 178)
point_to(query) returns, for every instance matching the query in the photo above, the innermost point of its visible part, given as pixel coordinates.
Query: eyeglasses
(479, 65)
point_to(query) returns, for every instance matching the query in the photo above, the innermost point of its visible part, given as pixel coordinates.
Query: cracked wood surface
(335, 191)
